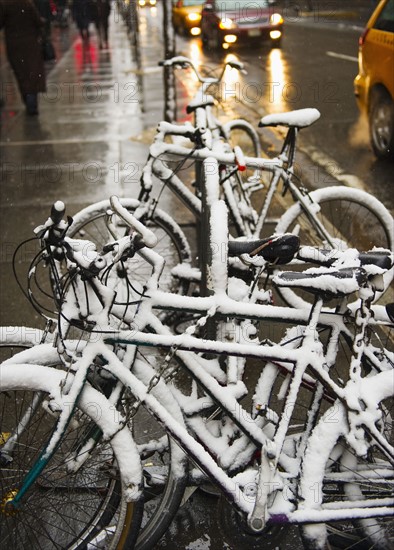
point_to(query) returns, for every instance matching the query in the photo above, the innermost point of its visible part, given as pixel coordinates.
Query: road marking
(342, 56)
(333, 169)
(146, 70)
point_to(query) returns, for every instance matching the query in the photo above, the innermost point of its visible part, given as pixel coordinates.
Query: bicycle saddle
(382, 259)
(326, 283)
(390, 311)
(277, 249)
(300, 118)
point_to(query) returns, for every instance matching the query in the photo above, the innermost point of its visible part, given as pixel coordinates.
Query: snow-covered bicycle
(322, 465)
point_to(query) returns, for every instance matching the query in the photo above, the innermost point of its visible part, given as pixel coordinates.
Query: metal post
(169, 51)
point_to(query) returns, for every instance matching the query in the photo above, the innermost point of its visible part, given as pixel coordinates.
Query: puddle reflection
(85, 57)
(277, 84)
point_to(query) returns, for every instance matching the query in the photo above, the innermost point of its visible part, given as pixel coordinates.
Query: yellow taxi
(374, 84)
(186, 16)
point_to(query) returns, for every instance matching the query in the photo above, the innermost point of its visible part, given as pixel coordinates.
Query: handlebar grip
(148, 237)
(57, 212)
(235, 65)
(179, 61)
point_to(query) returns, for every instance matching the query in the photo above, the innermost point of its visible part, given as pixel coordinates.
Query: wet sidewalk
(78, 148)
(84, 145)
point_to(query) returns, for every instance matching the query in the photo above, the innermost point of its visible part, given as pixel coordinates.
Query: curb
(329, 14)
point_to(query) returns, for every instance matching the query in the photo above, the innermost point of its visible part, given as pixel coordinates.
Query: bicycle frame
(275, 166)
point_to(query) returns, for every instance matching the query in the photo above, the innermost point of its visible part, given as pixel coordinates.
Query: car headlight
(227, 24)
(194, 17)
(276, 19)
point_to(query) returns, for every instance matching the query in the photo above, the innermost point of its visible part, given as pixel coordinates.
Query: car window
(192, 2)
(385, 21)
(233, 5)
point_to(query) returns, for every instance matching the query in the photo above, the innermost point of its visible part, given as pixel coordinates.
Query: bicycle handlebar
(148, 237)
(57, 212)
(55, 226)
(184, 62)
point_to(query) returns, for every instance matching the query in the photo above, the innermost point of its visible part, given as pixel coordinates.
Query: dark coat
(100, 10)
(23, 30)
(82, 13)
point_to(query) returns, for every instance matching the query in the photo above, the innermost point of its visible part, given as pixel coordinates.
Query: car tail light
(362, 38)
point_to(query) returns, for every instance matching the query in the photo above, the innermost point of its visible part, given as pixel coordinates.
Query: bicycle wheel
(15, 339)
(164, 464)
(67, 506)
(172, 244)
(353, 218)
(239, 132)
(343, 479)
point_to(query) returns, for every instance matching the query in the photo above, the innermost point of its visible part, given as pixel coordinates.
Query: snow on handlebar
(183, 62)
(54, 222)
(148, 237)
(57, 212)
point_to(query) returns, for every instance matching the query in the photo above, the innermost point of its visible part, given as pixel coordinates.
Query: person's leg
(31, 102)
(105, 25)
(84, 34)
(100, 34)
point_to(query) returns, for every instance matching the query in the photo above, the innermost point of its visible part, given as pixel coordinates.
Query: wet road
(315, 67)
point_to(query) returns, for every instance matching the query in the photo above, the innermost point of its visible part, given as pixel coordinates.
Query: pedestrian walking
(101, 10)
(23, 34)
(44, 9)
(82, 15)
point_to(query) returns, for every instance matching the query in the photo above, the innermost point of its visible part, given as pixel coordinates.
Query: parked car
(149, 3)
(226, 23)
(374, 84)
(186, 16)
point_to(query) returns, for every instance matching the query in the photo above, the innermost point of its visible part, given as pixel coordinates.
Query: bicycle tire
(240, 132)
(354, 218)
(13, 340)
(64, 508)
(172, 243)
